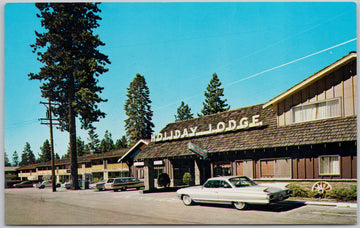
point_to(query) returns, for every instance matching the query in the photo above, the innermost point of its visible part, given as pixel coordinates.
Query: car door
(226, 192)
(209, 191)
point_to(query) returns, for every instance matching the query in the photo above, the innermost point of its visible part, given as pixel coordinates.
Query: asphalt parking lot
(30, 206)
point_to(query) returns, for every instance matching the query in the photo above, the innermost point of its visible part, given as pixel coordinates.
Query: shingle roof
(267, 136)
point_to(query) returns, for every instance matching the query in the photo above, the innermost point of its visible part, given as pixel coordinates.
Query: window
(213, 184)
(242, 182)
(316, 111)
(276, 168)
(329, 165)
(140, 173)
(244, 168)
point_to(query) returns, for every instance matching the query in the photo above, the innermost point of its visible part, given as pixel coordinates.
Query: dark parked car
(68, 186)
(24, 184)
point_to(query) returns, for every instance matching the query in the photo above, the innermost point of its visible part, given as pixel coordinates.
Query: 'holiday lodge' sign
(231, 125)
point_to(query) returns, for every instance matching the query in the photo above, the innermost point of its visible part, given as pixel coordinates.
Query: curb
(349, 205)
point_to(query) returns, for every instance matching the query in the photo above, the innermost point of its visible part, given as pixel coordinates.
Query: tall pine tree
(15, 158)
(6, 160)
(183, 112)
(68, 50)
(121, 143)
(106, 143)
(94, 141)
(45, 152)
(213, 98)
(139, 124)
(27, 156)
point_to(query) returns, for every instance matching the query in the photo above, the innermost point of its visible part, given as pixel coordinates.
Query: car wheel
(42, 187)
(187, 200)
(240, 205)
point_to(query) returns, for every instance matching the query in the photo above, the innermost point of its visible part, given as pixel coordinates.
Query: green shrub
(187, 178)
(298, 191)
(343, 194)
(163, 180)
(316, 194)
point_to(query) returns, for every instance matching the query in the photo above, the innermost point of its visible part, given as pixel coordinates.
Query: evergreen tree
(68, 50)
(27, 156)
(213, 101)
(80, 147)
(107, 143)
(183, 112)
(45, 152)
(15, 158)
(94, 142)
(121, 143)
(6, 160)
(139, 124)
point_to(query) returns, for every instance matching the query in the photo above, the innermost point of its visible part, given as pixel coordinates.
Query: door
(209, 191)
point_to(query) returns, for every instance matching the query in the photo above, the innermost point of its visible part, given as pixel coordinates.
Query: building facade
(91, 167)
(308, 133)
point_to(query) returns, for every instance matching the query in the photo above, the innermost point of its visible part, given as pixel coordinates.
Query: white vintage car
(236, 190)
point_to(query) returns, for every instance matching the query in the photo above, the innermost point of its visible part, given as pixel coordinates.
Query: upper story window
(317, 111)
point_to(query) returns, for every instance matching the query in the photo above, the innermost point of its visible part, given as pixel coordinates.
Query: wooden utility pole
(50, 123)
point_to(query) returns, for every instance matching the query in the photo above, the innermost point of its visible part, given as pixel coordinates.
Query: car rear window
(242, 182)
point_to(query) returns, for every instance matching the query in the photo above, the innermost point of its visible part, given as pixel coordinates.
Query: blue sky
(177, 47)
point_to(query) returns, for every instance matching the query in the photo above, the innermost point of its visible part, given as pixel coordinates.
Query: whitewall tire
(240, 205)
(187, 200)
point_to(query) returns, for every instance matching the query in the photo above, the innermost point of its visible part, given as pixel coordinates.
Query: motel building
(306, 134)
(115, 163)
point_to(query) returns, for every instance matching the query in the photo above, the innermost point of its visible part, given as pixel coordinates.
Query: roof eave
(132, 148)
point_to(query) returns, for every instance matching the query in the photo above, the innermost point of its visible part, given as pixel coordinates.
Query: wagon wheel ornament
(321, 186)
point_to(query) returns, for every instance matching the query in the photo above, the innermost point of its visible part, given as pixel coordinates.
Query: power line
(288, 63)
(265, 71)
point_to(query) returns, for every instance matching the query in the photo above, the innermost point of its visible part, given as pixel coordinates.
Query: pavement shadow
(275, 207)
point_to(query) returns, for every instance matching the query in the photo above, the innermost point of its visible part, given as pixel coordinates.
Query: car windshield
(110, 181)
(242, 181)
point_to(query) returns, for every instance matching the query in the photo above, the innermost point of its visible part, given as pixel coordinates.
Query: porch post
(197, 172)
(212, 169)
(149, 174)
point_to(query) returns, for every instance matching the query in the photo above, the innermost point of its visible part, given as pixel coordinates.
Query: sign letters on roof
(231, 125)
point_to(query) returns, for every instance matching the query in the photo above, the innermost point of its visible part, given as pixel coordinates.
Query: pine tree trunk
(73, 154)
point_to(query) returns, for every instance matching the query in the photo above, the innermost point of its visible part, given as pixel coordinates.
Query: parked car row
(239, 191)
